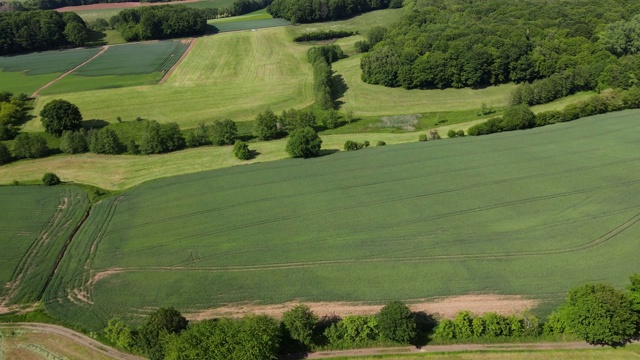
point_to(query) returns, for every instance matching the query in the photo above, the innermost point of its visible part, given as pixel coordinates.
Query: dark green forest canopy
(460, 43)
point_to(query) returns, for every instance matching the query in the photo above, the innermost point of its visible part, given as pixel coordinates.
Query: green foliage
(323, 35)
(50, 179)
(463, 325)
(517, 117)
(361, 46)
(452, 133)
(330, 119)
(299, 322)
(293, 119)
(490, 325)
(159, 22)
(76, 33)
(307, 11)
(423, 137)
(460, 133)
(198, 136)
(396, 322)
(120, 334)
(74, 142)
(28, 146)
(634, 291)
(381, 143)
(160, 138)
(327, 53)
(104, 141)
(60, 115)
(223, 132)
(162, 322)
(304, 142)
(601, 315)
(11, 112)
(376, 34)
(5, 154)
(266, 126)
(353, 331)
(241, 150)
(351, 145)
(622, 37)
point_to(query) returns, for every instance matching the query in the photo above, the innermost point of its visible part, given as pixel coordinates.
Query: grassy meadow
(35, 224)
(232, 75)
(530, 213)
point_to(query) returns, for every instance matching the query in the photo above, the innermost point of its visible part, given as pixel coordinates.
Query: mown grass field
(35, 222)
(530, 213)
(361, 23)
(27, 73)
(123, 65)
(235, 75)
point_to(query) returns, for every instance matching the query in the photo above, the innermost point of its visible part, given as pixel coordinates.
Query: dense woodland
(584, 44)
(26, 31)
(306, 11)
(159, 22)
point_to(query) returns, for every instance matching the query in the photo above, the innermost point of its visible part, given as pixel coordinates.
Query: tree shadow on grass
(94, 124)
(325, 152)
(338, 88)
(253, 154)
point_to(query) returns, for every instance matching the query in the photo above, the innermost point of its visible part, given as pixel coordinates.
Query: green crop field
(529, 213)
(35, 223)
(256, 20)
(234, 75)
(123, 65)
(27, 73)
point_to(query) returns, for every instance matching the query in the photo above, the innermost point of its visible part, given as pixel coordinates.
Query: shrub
(295, 119)
(73, 142)
(29, 146)
(460, 133)
(50, 179)
(330, 119)
(60, 115)
(518, 117)
(160, 138)
(381, 143)
(452, 133)
(433, 134)
(5, 155)
(422, 137)
(241, 150)
(304, 143)
(353, 331)
(7, 133)
(323, 35)
(396, 322)
(197, 137)
(351, 145)
(299, 323)
(266, 126)
(105, 141)
(361, 46)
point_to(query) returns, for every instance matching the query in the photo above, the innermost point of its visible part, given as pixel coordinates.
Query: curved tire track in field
(168, 74)
(488, 256)
(37, 92)
(372, 183)
(75, 336)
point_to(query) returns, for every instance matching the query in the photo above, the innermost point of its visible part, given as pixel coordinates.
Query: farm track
(488, 256)
(168, 74)
(75, 336)
(37, 92)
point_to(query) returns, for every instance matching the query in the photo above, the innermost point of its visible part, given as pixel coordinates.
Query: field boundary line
(37, 92)
(75, 336)
(173, 68)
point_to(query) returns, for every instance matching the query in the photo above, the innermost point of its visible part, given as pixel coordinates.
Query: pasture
(531, 213)
(256, 20)
(35, 223)
(123, 65)
(361, 23)
(231, 75)
(27, 73)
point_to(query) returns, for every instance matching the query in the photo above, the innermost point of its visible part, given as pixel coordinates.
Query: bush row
(324, 35)
(305, 11)
(159, 22)
(321, 58)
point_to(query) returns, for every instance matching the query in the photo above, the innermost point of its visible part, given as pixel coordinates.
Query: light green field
(35, 223)
(374, 100)
(91, 15)
(530, 213)
(256, 15)
(235, 75)
(361, 23)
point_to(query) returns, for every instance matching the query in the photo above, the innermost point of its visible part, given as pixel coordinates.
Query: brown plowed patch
(446, 307)
(121, 5)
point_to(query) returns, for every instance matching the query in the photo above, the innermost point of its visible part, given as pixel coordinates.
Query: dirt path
(35, 94)
(184, 55)
(450, 348)
(75, 336)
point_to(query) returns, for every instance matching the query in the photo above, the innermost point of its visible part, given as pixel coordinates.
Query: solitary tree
(397, 322)
(50, 179)
(60, 115)
(600, 314)
(304, 143)
(299, 322)
(241, 150)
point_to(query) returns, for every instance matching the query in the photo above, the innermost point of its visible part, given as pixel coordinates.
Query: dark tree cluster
(324, 35)
(56, 4)
(476, 43)
(306, 11)
(40, 30)
(159, 22)
(13, 110)
(518, 117)
(321, 58)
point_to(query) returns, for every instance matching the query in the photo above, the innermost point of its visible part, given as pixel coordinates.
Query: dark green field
(530, 213)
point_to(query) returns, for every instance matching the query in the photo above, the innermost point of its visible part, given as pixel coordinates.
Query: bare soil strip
(184, 55)
(75, 336)
(446, 307)
(121, 5)
(451, 348)
(35, 94)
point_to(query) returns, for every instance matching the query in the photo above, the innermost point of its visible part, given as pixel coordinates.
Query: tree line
(159, 22)
(321, 57)
(520, 116)
(307, 11)
(40, 30)
(596, 313)
(477, 43)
